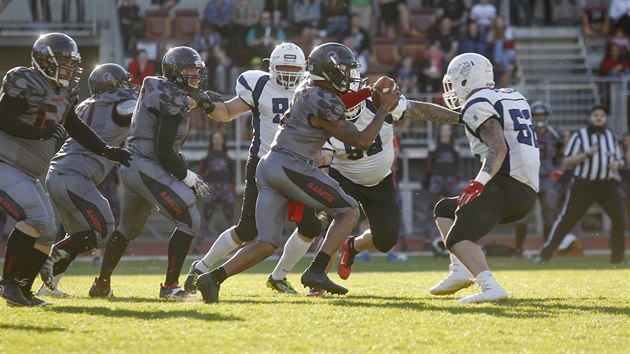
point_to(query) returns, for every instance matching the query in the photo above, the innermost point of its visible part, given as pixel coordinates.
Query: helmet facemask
(56, 66)
(191, 76)
(450, 97)
(347, 78)
(284, 78)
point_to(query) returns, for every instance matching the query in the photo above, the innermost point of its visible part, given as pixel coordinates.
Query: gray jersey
(45, 107)
(549, 143)
(297, 136)
(158, 96)
(97, 112)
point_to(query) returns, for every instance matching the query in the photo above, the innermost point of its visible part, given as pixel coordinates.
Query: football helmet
(57, 57)
(540, 112)
(336, 64)
(287, 54)
(465, 73)
(109, 76)
(175, 64)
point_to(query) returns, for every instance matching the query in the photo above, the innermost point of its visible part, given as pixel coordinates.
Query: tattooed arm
(430, 111)
(492, 135)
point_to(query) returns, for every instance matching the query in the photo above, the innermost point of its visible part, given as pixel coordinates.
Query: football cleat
(347, 259)
(321, 281)
(282, 286)
(190, 285)
(173, 291)
(44, 291)
(490, 291)
(46, 273)
(35, 300)
(316, 293)
(456, 280)
(209, 288)
(10, 291)
(101, 289)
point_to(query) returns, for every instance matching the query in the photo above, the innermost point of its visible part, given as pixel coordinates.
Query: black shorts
(379, 205)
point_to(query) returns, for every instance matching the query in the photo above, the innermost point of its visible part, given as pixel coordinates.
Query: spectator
(390, 16)
(65, 10)
(279, 10)
(407, 77)
(524, 5)
(165, 5)
(207, 39)
(620, 39)
(433, 69)
(263, 38)
(503, 50)
(45, 13)
(130, 24)
(245, 14)
(365, 11)
(140, 67)
(595, 20)
(484, 14)
(218, 170)
(455, 10)
(222, 70)
(619, 14)
(547, 10)
(360, 40)
(473, 42)
(447, 39)
(219, 14)
(614, 64)
(335, 13)
(307, 16)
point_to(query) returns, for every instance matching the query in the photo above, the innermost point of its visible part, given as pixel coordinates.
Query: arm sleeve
(164, 140)
(83, 134)
(10, 110)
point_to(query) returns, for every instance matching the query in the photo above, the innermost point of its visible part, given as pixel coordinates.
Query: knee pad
(246, 230)
(310, 226)
(445, 208)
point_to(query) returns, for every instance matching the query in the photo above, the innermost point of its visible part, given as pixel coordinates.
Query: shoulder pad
(329, 106)
(23, 82)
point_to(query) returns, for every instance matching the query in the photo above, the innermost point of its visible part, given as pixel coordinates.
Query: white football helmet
(291, 55)
(465, 73)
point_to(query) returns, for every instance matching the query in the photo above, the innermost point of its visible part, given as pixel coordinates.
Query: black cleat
(321, 281)
(209, 288)
(10, 290)
(35, 300)
(101, 289)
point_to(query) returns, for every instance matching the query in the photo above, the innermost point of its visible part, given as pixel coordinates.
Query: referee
(597, 158)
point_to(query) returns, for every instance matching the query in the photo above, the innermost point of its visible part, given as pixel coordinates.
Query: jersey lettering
(356, 154)
(526, 131)
(279, 105)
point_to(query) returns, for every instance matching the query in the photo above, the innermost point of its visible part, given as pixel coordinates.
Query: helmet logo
(333, 57)
(107, 77)
(290, 58)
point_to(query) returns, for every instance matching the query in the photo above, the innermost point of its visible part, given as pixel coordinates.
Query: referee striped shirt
(595, 168)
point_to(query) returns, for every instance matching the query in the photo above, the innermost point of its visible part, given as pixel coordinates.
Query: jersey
(550, 144)
(158, 96)
(522, 161)
(268, 101)
(367, 168)
(96, 112)
(296, 135)
(45, 107)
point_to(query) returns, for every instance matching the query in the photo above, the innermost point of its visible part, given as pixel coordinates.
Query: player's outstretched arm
(430, 111)
(227, 111)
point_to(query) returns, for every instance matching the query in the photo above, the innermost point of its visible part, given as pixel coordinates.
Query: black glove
(53, 131)
(202, 189)
(117, 154)
(205, 100)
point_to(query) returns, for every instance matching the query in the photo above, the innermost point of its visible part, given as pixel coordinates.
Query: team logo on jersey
(168, 199)
(317, 190)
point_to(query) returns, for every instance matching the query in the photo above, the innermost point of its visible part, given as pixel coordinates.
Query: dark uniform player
(499, 129)
(315, 114)
(597, 158)
(75, 172)
(36, 104)
(159, 176)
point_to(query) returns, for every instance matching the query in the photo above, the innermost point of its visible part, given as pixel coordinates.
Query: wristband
(483, 177)
(190, 178)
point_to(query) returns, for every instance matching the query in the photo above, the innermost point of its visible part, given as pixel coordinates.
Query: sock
(294, 250)
(219, 275)
(19, 245)
(62, 265)
(320, 262)
(30, 269)
(221, 247)
(115, 249)
(177, 251)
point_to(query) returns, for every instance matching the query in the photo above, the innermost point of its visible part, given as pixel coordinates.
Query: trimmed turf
(578, 304)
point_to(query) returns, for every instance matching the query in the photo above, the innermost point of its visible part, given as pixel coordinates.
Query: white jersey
(367, 168)
(268, 102)
(522, 161)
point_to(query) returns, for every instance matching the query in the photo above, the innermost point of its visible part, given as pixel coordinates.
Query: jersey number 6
(526, 132)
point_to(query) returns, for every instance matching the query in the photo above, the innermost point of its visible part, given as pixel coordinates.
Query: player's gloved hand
(193, 181)
(53, 131)
(556, 174)
(472, 191)
(205, 100)
(123, 156)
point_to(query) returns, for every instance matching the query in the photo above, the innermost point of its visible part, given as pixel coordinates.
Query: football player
(315, 113)
(36, 109)
(159, 176)
(75, 173)
(502, 135)
(267, 96)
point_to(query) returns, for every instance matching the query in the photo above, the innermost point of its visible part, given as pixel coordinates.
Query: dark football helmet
(109, 76)
(336, 64)
(540, 112)
(175, 63)
(57, 57)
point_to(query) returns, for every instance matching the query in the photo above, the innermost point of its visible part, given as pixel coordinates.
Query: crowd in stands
(614, 24)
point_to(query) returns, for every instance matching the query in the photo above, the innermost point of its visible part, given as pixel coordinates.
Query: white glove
(193, 181)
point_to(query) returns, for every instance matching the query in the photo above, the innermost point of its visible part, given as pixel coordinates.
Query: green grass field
(578, 304)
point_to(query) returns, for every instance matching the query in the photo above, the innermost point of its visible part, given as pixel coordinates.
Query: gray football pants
(24, 199)
(282, 177)
(80, 205)
(147, 184)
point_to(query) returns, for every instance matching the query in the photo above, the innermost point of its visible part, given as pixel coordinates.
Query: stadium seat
(385, 51)
(157, 24)
(186, 22)
(420, 23)
(415, 48)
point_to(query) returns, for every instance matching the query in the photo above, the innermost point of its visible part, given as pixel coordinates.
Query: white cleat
(459, 278)
(58, 293)
(490, 291)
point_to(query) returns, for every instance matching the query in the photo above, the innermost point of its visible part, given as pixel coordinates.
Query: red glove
(556, 174)
(470, 193)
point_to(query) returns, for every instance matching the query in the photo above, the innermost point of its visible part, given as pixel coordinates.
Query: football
(385, 83)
